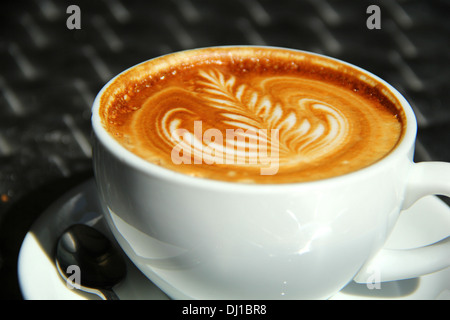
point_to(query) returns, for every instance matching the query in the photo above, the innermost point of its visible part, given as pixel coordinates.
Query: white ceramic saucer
(39, 278)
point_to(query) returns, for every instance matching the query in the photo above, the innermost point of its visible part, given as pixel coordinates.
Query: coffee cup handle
(427, 178)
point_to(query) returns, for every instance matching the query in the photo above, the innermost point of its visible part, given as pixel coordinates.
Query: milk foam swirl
(229, 117)
(309, 129)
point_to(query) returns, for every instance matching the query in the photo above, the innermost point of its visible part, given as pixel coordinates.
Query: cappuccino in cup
(252, 115)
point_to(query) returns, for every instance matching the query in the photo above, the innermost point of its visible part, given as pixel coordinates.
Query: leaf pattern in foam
(256, 114)
(310, 131)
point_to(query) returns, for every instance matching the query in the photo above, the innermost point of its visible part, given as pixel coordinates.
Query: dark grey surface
(49, 76)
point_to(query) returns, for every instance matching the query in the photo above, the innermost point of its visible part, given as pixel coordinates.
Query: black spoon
(100, 264)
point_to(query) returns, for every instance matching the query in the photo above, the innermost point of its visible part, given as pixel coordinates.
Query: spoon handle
(107, 294)
(103, 293)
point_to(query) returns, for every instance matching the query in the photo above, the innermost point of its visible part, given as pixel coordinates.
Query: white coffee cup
(206, 239)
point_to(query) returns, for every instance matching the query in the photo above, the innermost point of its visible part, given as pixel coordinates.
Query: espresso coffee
(252, 115)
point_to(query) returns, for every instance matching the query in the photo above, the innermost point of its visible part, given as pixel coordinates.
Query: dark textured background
(49, 76)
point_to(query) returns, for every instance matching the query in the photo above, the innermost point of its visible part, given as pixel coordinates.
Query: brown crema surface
(252, 115)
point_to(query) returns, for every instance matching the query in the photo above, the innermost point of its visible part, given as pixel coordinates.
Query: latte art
(309, 130)
(262, 118)
(306, 125)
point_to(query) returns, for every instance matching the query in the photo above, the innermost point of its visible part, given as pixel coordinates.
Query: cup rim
(120, 152)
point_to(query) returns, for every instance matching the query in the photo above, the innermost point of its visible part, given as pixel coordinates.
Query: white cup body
(205, 239)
